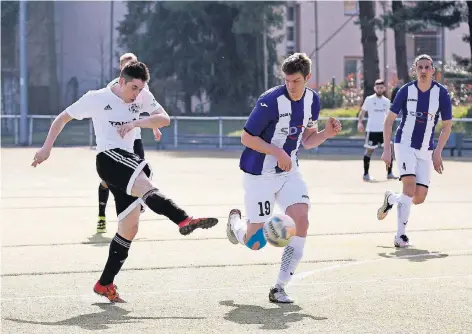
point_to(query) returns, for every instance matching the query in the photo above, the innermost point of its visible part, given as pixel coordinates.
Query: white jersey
(137, 102)
(108, 112)
(377, 108)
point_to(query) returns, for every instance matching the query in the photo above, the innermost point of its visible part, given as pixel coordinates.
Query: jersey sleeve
(365, 105)
(315, 112)
(400, 100)
(262, 115)
(82, 108)
(150, 104)
(445, 105)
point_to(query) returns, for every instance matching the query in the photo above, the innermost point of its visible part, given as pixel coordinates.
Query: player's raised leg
(159, 203)
(103, 194)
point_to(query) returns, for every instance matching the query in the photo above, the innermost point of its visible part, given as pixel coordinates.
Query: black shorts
(119, 169)
(374, 139)
(138, 148)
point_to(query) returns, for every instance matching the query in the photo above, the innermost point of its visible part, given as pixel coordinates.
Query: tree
(417, 16)
(369, 45)
(204, 47)
(400, 43)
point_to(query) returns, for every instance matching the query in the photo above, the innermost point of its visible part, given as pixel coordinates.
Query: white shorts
(262, 191)
(411, 161)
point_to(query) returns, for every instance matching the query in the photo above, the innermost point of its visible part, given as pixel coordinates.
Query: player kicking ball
(125, 173)
(420, 103)
(138, 148)
(376, 106)
(283, 118)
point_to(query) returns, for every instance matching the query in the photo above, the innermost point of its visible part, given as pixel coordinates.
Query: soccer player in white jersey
(376, 106)
(138, 148)
(126, 174)
(283, 118)
(421, 103)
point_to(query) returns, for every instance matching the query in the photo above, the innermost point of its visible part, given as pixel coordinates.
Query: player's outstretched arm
(56, 128)
(312, 138)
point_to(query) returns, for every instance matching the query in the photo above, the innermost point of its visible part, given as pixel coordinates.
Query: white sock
(291, 257)
(393, 199)
(239, 227)
(403, 210)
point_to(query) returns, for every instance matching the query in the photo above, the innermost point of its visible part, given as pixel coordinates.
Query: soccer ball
(279, 229)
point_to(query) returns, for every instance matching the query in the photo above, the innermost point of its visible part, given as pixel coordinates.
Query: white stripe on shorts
(123, 160)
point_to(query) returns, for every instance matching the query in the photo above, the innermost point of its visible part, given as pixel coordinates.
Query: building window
(353, 71)
(291, 32)
(428, 42)
(290, 13)
(351, 8)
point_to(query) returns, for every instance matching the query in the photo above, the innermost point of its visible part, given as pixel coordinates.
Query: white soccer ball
(279, 229)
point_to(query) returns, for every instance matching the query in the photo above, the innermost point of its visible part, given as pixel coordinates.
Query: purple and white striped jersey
(280, 121)
(420, 114)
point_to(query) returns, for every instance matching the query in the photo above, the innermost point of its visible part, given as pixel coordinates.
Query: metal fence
(211, 132)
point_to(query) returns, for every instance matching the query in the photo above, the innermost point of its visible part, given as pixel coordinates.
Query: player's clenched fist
(283, 160)
(40, 156)
(125, 128)
(333, 127)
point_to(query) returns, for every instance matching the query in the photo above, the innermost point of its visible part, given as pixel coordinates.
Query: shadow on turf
(98, 240)
(268, 318)
(412, 254)
(111, 314)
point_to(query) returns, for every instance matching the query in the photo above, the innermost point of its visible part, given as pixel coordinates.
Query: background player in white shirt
(283, 118)
(420, 103)
(376, 106)
(138, 148)
(126, 174)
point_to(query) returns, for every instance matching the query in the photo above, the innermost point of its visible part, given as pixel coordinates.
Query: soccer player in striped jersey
(138, 148)
(421, 103)
(283, 118)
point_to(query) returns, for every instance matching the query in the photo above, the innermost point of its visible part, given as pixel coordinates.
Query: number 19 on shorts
(264, 208)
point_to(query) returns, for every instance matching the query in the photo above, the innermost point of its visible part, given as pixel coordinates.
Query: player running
(376, 106)
(283, 118)
(126, 174)
(138, 148)
(420, 103)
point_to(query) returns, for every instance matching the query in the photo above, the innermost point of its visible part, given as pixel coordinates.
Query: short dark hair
(298, 62)
(135, 70)
(379, 82)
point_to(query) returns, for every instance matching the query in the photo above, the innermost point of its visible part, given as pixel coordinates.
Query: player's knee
(257, 240)
(368, 152)
(103, 184)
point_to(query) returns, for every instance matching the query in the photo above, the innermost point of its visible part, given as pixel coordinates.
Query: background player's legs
(367, 156)
(103, 194)
(138, 148)
(390, 175)
(160, 204)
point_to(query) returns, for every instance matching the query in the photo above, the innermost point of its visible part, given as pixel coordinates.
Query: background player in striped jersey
(138, 148)
(376, 106)
(126, 174)
(420, 103)
(283, 118)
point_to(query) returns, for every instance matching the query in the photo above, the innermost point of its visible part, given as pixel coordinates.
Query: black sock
(103, 193)
(117, 255)
(162, 205)
(366, 164)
